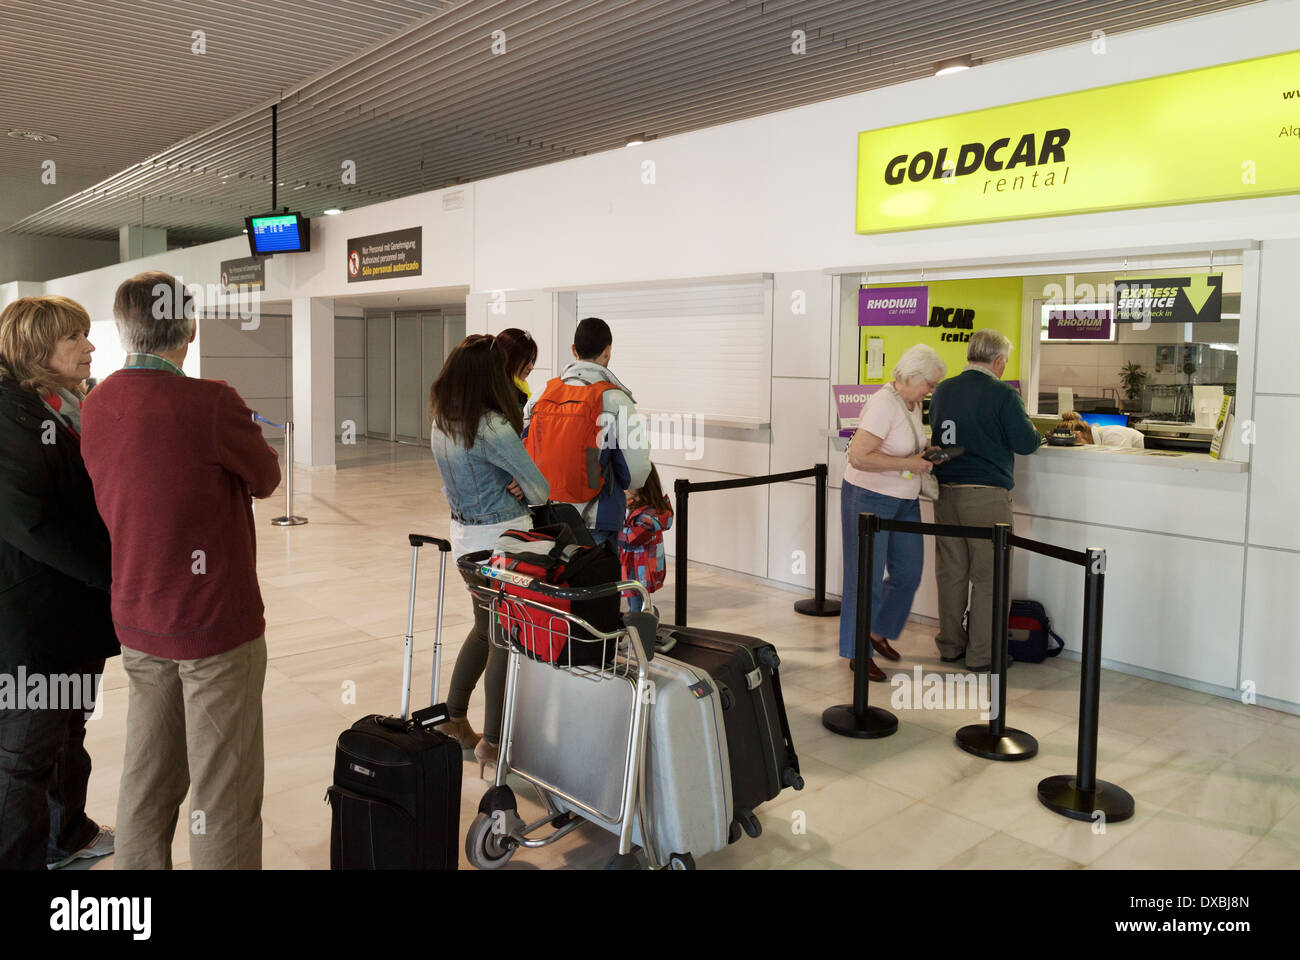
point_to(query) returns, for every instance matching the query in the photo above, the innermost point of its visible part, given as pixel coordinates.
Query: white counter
(1174, 531)
(1147, 458)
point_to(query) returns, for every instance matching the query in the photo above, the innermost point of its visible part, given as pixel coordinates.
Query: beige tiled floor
(1217, 784)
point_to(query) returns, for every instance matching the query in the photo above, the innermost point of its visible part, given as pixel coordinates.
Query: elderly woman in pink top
(883, 476)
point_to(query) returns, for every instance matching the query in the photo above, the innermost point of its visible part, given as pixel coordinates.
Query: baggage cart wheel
(680, 861)
(790, 778)
(768, 658)
(487, 842)
(750, 823)
(626, 861)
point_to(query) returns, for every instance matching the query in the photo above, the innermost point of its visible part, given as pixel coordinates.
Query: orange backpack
(563, 435)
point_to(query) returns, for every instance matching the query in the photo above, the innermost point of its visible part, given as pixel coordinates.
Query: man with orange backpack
(586, 437)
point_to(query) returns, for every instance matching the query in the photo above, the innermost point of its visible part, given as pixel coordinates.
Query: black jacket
(54, 548)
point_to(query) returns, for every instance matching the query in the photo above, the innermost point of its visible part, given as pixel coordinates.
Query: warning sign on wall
(383, 256)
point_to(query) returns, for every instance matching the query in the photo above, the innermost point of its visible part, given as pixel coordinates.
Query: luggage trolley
(587, 764)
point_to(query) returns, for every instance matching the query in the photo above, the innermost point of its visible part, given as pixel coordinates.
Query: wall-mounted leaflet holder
(875, 358)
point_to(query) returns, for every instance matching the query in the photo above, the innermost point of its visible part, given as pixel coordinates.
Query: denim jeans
(901, 554)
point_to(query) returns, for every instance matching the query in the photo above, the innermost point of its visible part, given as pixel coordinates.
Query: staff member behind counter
(1103, 434)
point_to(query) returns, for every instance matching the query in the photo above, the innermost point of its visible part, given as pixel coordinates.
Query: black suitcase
(746, 670)
(396, 794)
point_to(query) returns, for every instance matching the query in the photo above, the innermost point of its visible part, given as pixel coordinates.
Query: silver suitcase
(572, 733)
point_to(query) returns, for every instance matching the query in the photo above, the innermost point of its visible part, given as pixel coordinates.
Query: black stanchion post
(1083, 796)
(857, 719)
(997, 741)
(818, 605)
(682, 492)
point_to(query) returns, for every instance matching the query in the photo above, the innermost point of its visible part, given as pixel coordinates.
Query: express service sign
(1079, 152)
(1194, 299)
(383, 256)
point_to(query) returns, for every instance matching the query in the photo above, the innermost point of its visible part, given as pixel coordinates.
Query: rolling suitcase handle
(435, 712)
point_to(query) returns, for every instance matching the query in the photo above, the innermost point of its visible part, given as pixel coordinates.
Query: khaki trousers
(964, 570)
(193, 725)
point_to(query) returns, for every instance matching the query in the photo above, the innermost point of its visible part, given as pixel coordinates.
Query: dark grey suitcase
(746, 669)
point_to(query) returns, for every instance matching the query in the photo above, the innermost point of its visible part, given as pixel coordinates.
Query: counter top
(1157, 458)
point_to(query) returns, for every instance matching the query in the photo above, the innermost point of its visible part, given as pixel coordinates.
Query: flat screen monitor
(278, 233)
(1106, 419)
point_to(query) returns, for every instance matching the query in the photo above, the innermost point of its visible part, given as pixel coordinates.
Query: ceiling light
(333, 211)
(33, 136)
(301, 186)
(953, 65)
(636, 141)
(245, 230)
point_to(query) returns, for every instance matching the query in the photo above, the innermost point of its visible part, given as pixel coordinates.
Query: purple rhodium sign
(1085, 323)
(893, 306)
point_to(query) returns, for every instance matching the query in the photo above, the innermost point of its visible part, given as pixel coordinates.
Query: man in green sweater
(975, 410)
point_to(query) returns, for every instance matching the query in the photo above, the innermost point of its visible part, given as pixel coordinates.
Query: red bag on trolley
(550, 554)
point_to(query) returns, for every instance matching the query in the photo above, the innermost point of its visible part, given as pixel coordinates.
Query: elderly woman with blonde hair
(883, 476)
(54, 579)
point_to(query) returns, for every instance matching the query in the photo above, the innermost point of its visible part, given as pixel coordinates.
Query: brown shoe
(884, 649)
(873, 671)
(458, 729)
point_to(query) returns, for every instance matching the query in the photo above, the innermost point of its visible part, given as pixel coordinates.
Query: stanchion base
(810, 607)
(1014, 744)
(1062, 795)
(289, 521)
(873, 723)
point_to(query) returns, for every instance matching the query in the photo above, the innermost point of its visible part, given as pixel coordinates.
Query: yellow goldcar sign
(1219, 133)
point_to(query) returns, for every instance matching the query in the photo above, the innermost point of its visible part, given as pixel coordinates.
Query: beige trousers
(193, 725)
(963, 570)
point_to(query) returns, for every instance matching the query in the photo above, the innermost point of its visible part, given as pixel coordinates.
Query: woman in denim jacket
(489, 480)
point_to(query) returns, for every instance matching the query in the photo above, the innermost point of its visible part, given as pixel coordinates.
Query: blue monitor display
(1106, 419)
(279, 233)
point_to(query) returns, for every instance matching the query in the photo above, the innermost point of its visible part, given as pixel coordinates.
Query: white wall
(257, 362)
(27, 256)
(17, 289)
(777, 192)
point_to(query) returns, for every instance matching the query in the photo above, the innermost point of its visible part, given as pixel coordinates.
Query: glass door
(407, 380)
(379, 375)
(432, 354)
(404, 355)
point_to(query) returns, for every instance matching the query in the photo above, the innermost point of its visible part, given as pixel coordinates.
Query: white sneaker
(100, 846)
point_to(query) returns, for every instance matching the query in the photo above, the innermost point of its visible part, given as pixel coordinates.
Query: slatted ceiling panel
(430, 105)
(116, 80)
(726, 373)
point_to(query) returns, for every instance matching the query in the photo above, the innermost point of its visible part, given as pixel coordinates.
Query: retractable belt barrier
(815, 606)
(288, 520)
(1081, 796)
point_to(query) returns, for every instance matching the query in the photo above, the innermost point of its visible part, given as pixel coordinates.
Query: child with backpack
(641, 542)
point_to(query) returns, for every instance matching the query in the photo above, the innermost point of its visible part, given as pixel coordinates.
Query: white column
(134, 242)
(313, 382)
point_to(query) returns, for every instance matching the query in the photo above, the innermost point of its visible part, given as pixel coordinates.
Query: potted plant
(1133, 378)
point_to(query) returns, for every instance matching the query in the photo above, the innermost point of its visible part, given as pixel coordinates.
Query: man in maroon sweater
(174, 462)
